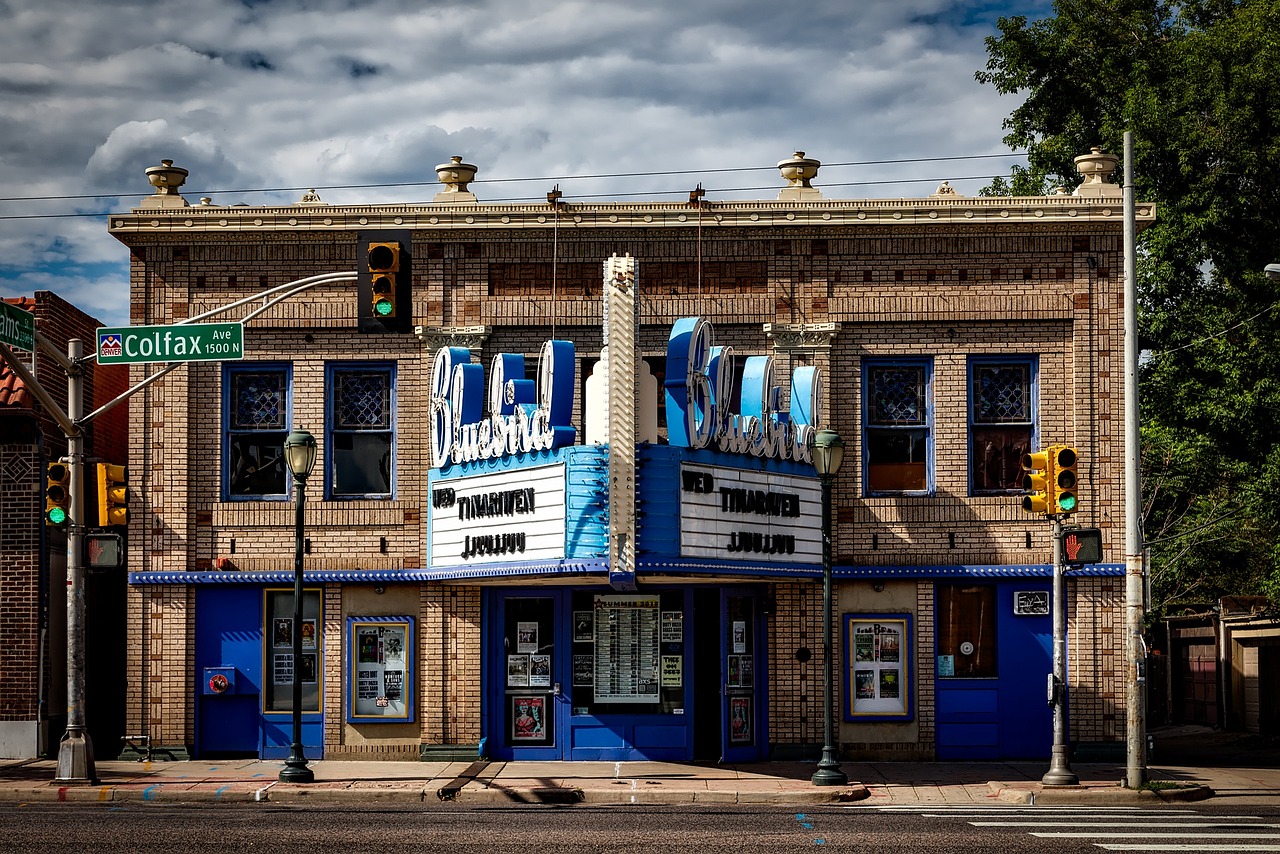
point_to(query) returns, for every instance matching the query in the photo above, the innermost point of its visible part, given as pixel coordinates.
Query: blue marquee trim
(1041, 570)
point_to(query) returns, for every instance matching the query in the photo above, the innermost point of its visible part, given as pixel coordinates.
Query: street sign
(17, 327)
(193, 342)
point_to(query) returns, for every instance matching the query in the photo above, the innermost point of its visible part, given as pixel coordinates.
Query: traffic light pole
(1059, 773)
(75, 751)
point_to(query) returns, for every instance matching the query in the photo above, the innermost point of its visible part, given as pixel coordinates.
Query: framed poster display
(529, 718)
(740, 725)
(380, 669)
(877, 666)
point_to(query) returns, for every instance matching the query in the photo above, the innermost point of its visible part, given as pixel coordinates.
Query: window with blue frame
(255, 424)
(361, 440)
(897, 421)
(1001, 422)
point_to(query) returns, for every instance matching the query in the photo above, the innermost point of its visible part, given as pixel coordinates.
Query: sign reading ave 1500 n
(194, 342)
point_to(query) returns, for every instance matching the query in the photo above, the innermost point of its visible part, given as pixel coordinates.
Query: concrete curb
(1094, 795)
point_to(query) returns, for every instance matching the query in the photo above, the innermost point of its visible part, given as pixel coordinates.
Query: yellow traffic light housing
(1065, 480)
(1038, 482)
(57, 495)
(113, 495)
(384, 265)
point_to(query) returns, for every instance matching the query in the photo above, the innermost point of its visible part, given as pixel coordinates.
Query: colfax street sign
(194, 342)
(17, 327)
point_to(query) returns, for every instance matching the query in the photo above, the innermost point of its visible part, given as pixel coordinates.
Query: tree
(1198, 84)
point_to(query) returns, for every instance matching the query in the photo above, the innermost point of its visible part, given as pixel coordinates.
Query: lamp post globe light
(828, 454)
(300, 457)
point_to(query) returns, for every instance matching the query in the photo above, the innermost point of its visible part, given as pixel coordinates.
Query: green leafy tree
(1198, 84)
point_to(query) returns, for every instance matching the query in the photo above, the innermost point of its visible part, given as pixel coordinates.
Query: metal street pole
(295, 767)
(75, 751)
(1059, 773)
(828, 773)
(1134, 580)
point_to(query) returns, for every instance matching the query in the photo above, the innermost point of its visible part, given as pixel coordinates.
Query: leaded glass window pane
(897, 395)
(257, 400)
(363, 400)
(1001, 394)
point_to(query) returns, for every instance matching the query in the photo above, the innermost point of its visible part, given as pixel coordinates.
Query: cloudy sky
(263, 99)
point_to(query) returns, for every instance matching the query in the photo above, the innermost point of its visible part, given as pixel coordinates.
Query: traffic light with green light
(1038, 482)
(385, 275)
(113, 495)
(1065, 481)
(57, 495)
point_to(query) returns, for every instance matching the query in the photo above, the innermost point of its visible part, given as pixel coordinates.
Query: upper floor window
(897, 420)
(361, 437)
(1001, 423)
(255, 424)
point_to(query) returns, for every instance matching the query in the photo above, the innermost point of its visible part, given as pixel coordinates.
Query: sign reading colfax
(194, 342)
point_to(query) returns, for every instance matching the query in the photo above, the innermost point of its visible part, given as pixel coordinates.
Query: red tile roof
(13, 391)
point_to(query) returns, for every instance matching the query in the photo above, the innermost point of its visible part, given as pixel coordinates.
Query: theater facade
(564, 505)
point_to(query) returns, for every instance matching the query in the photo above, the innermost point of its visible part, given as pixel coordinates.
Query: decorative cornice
(801, 337)
(435, 337)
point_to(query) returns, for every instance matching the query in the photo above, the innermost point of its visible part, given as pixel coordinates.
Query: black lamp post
(300, 456)
(828, 453)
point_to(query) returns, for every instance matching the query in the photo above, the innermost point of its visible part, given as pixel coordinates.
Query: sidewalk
(506, 783)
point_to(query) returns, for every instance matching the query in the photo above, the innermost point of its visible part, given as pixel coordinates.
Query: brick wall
(912, 287)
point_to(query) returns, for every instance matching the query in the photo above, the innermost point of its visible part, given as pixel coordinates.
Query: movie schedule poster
(380, 652)
(627, 648)
(877, 663)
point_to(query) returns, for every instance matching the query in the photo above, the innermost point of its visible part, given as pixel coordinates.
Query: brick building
(33, 556)
(949, 336)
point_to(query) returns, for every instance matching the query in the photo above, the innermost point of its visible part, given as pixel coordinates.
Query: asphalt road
(85, 828)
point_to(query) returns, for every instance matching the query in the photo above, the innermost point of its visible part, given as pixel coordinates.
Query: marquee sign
(699, 388)
(738, 514)
(500, 517)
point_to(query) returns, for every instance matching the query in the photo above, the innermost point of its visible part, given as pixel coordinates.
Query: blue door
(244, 670)
(741, 658)
(228, 644)
(993, 651)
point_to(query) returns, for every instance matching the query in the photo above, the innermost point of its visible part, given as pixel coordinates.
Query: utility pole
(1134, 646)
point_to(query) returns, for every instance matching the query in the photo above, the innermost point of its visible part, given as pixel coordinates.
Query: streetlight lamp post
(828, 453)
(300, 456)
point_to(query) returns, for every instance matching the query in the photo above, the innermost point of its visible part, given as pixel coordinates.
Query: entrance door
(533, 704)
(742, 708)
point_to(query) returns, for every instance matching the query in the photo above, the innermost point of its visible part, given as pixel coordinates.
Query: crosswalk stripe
(1091, 824)
(1197, 847)
(1215, 835)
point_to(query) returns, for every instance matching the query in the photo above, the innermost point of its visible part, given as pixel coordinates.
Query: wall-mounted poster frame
(878, 657)
(380, 670)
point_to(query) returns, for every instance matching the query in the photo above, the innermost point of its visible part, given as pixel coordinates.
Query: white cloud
(315, 93)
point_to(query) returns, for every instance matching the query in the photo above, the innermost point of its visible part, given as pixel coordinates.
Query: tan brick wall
(913, 287)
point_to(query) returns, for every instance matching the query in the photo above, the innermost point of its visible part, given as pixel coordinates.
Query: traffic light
(384, 264)
(1037, 482)
(113, 495)
(1064, 479)
(385, 276)
(57, 495)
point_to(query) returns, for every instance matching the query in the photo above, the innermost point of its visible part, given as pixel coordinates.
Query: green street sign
(17, 327)
(193, 342)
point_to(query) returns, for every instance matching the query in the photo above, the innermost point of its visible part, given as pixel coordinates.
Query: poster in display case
(379, 669)
(877, 667)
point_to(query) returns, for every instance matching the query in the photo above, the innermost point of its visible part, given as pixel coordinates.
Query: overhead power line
(389, 185)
